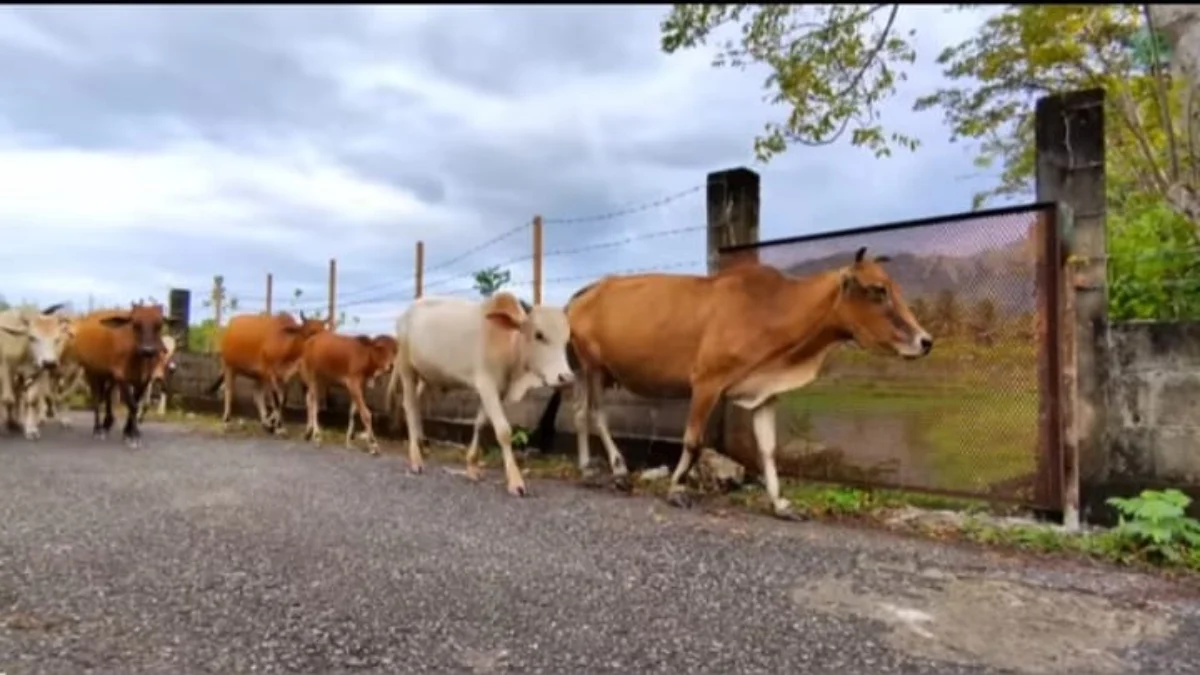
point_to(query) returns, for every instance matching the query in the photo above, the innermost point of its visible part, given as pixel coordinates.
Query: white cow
(158, 381)
(499, 346)
(31, 343)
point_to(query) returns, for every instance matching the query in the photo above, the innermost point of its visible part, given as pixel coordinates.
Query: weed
(1155, 525)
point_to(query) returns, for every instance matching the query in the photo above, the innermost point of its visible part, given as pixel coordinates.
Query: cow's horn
(302, 319)
(859, 256)
(525, 306)
(53, 308)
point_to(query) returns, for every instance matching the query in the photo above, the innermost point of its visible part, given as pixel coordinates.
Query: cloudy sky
(149, 148)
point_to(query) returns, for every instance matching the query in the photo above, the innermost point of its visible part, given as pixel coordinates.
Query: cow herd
(748, 334)
(47, 354)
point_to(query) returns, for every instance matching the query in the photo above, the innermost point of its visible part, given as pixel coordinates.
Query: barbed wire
(627, 211)
(393, 289)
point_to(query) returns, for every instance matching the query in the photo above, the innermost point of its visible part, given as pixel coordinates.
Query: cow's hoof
(100, 434)
(32, 435)
(416, 469)
(517, 490)
(679, 499)
(623, 482)
(372, 449)
(133, 443)
(783, 511)
(279, 432)
(473, 473)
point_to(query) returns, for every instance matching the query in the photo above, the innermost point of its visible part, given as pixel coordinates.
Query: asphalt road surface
(197, 554)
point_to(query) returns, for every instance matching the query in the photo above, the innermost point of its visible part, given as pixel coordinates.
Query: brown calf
(119, 348)
(266, 349)
(749, 333)
(350, 361)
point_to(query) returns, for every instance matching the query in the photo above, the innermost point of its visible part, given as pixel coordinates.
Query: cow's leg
(132, 392)
(162, 400)
(359, 404)
(490, 398)
(412, 418)
(228, 376)
(764, 435)
(473, 465)
(599, 417)
(704, 399)
(109, 418)
(34, 400)
(97, 393)
(260, 403)
(8, 396)
(311, 398)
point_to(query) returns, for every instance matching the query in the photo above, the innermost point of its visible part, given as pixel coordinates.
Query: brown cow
(267, 349)
(350, 361)
(119, 348)
(749, 333)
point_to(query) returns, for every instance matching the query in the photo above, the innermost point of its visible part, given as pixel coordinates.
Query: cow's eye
(877, 293)
(539, 336)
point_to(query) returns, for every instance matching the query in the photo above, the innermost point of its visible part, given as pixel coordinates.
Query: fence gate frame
(1055, 481)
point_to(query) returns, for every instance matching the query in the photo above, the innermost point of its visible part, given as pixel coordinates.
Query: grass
(963, 418)
(974, 522)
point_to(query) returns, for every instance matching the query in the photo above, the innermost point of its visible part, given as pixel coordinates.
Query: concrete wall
(648, 432)
(1152, 435)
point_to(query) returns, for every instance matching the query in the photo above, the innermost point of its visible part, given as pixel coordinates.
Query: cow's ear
(363, 340)
(505, 310)
(116, 321)
(504, 319)
(18, 331)
(293, 330)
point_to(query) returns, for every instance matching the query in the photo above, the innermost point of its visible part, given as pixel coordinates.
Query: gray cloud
(265, 90)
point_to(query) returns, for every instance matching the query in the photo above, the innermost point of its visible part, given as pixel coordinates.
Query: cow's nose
(565, 378)
(49, 364)
(926, 345)
(147, 351)
(171, 367)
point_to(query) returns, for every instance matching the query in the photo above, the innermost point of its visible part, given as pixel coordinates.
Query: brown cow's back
(330, 355)
(654, 353)
(99, 349)
(251, 341)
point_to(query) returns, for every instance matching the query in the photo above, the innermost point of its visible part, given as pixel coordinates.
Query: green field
(965, 418)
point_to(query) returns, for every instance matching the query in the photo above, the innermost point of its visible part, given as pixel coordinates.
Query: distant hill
(1004, 274)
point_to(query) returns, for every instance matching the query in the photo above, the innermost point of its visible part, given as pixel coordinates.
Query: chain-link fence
(972, 417)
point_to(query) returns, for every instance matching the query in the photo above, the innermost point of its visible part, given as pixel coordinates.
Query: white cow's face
(548, 332)
(47, 337)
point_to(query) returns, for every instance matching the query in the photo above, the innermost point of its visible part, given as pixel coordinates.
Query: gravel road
(236, 555)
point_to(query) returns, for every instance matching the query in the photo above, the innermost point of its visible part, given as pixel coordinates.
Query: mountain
(1005, 274)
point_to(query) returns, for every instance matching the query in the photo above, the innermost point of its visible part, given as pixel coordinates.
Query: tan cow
(30, 345)
(750, 333)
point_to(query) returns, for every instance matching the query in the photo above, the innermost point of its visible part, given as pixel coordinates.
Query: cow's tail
(216, 385)
(393, 385)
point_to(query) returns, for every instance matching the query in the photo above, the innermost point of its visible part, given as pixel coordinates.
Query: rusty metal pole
(420, 270)
(332, 293)
(537, 260)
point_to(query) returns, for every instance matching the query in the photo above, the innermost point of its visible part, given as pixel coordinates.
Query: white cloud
(249, 140)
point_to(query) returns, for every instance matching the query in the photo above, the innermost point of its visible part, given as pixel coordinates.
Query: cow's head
(872, 310)
(383, 352)
(47, 333)
(308, 327)
(146, 323)
(165, 365)
(543, 334)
